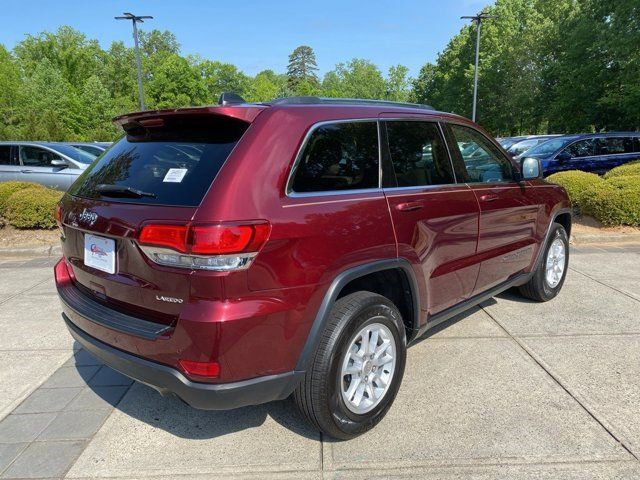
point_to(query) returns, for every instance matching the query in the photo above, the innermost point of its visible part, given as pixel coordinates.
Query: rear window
(171, 164)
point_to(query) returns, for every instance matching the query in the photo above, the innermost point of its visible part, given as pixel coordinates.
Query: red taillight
(219, 239)
(201, 369)
(171, 236)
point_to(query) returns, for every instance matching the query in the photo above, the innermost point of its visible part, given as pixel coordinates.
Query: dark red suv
(237, 254)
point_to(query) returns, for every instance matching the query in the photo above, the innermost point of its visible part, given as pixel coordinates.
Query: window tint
(614, 145)
(5, 155)
(418, 154)
(482, 160)
(36, 156)
(175, 164)
(582, 148)
(339, 156)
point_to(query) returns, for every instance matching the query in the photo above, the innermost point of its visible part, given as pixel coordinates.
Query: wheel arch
(342, 281)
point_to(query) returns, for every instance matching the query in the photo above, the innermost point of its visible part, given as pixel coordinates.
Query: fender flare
(553, 216)
(338, 283)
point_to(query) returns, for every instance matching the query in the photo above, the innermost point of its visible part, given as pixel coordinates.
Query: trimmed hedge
(612, 201)
(9, 188)
(576, 183)
(632, 168)
(32, 208)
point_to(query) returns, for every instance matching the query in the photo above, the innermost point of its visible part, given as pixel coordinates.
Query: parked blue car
(593, 152)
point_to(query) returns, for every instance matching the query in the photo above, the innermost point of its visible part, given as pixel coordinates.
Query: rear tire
(550, 273)
(328, 397)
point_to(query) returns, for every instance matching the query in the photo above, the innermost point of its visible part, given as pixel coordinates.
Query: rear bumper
(168, 380)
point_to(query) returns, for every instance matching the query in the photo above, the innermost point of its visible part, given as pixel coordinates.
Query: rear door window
(418, 154)
(338, 156)
(171, 164)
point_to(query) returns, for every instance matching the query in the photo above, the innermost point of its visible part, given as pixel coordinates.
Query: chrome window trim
(289, 191)
(333, 192)
(424, 187)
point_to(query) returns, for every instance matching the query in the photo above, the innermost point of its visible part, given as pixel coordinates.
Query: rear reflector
(201, 369)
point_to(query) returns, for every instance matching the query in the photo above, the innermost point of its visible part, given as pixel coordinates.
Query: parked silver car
(55, 165)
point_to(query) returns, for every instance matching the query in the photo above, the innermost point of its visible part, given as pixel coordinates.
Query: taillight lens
(220, 247)
(225, 239)
(170, 236)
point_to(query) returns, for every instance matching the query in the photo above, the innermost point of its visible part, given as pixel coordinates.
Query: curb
(591, 238)
(41, 251)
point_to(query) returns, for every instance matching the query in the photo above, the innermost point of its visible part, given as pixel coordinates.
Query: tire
(538, 287)
(319, 396)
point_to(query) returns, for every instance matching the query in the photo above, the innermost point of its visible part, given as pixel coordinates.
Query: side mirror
(563, 156)
(59, 162)
(530, 168)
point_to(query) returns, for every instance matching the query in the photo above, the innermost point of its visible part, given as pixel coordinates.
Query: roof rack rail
(344, 101)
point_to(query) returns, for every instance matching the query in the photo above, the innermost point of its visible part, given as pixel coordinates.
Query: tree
(302, 68)
(174, 83)
(355, 79)
(267, 85)
(9, 93)
(398, 83)
(97, 111)
(156, 41)
(218, 77)
(68, 51)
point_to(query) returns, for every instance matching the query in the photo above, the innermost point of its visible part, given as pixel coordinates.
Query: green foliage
(561, 66)
(32, 208)
(301, 70)
(355, 79)
(9, 188)
(576, 183)
(613, 200)
(631, 168)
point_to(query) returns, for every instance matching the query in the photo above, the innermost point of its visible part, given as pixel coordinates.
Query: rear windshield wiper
(121, 191)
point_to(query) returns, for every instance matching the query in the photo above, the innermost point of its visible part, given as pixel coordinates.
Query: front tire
(550, 273)
(357, 369)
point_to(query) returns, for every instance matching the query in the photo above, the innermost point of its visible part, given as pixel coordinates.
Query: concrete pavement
(512, 389)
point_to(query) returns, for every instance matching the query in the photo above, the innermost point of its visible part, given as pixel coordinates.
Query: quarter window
(417, 153)
(583, 148)
(614, 145)
(482, 160)
(339, 156)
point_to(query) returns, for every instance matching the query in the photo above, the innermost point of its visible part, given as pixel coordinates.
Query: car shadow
(172, 415)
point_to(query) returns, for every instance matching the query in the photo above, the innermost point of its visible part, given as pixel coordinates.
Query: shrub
(576, 183)
(632, 168)
(9, 188)
(615, 201)
(32, 208)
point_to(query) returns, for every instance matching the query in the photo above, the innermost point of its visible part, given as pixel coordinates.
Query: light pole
(134, 20)
(478, 19)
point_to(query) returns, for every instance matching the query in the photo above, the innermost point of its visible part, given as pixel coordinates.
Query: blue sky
(255, 35)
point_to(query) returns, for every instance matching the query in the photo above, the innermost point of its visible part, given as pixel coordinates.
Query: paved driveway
(513, 389)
